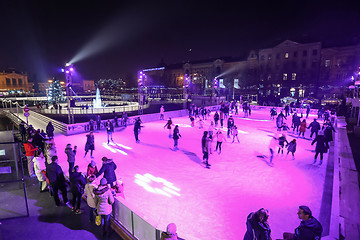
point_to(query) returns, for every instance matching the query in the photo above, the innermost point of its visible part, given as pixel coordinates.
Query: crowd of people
(41, 154)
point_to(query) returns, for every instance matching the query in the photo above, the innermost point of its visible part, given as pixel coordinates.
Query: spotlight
(62, 70)
(67, 64)
(71, 69)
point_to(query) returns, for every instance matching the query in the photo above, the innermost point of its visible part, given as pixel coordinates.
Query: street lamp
(68, 70)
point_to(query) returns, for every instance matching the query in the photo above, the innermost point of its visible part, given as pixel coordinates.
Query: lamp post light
(68, 70)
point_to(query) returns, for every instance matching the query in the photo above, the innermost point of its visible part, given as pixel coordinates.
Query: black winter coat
(108, 168)
(309, 230)
(77, 183)
(321, 144)
(256, 230)
(55, 174)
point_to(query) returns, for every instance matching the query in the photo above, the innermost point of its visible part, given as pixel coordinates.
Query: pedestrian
(109, 130)
(309, 228)
(315, 127)
(307, 110)
(219, 140)
(162, 110)
(170, 233)
(70, 156)
(50, 130)
(91, 169)
(282, 140)
(176, 136)
(321, 146)
(216, 118)
(90, 144)
(257, 226)
(40, 169)
(205, 148)
(104, 200)
(302, 129)
(235, 133)
(22, 131)
(57, 181)
(77, 186)
(29, 153)
(108, 168)
(168, 126)
(291, 147)
(90, 196)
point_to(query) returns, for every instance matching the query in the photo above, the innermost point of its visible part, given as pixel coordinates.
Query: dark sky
(113, 38)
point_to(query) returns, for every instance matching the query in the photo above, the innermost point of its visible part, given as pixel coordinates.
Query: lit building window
(293, 76)
(292, 92)
(301, 92)
(286, 55)
(285, 76)
(327, 63)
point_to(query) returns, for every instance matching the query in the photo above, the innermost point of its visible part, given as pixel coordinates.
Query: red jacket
(29, 149)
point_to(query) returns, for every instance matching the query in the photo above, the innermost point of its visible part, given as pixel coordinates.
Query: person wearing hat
(108, 168)
(92, 169)
(170, 233)
(90, 196)
(321, 146)
(309, 228)
(104, 200)
(70, 156)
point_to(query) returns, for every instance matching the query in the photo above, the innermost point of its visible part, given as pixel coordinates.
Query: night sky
(111, 39)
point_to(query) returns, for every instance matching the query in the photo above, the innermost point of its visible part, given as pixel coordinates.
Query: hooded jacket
(104, 200)
(78, 182)
(321, 144)
(90, 195)
(256, 230)
(309, 230)
(29, 149)
(108, 168)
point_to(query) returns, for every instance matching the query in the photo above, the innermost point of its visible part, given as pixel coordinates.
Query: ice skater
(272, 146)
(192, 120)
(211, 128)
(90, 144)
(235, 133)
(137, 127)
(168, 126)
(273, 113)
(282, 141)
(315, 127)
(70, 156)
(109, 130)
(219, 140)
(291, 147)
(205, 149)
(216, 118)
(201, 123)
(230, 124)
(176, 136)
(302, 129)
(162, 110)
(321, 146)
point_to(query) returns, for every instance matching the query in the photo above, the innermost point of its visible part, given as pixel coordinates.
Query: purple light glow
(71, 69)
(67, 71)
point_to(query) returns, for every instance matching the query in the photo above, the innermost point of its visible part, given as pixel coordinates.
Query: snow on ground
(209, 203)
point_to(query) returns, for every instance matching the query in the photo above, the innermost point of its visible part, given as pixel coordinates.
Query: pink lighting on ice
(157, 185)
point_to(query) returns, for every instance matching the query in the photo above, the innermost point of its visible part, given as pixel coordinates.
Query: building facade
(12, 80)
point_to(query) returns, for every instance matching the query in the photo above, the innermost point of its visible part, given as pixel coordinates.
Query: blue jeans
(176, 142)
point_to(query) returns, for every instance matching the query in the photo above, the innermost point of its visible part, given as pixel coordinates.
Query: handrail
(57, 125)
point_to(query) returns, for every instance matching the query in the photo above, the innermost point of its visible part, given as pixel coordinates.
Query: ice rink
(163, 185)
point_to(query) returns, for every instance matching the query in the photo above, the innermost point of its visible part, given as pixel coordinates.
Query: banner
(236, 83)
(221, 83)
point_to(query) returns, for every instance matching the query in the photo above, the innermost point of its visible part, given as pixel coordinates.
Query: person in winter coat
(29, 153)
(168, 126)
(104, 200)
(230, 124)
(109, 130)
(235, 133)
(302, 129)
(296, 122)
(162, 110)
(91, 169)
(38, 140)
(176, 136)
(221, 118)
(328, 132)
(272, 146)
(291, 146)
(90, 196)
(219, 140)
(282, 141)
(50, 130)
(205, 148)
(321, 146)
(280, 121)
(77, 186)
(192, 120)
(39, 167)
(273, 113)
(22, 131)
(57, 181)
(70, 156)
(170, 233)
(90, 144)
(309, 228)
(308, 111)
(216, 118)
(108, 168)
(137, 128)
(315, 127)
(257, 226)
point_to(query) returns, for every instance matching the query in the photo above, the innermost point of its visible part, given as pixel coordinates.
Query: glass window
(287, 55)
(315, 51)
(293, 76)
(20, 82)
(14, 82)
(305, 53)
(285, 76)
(8, 81)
